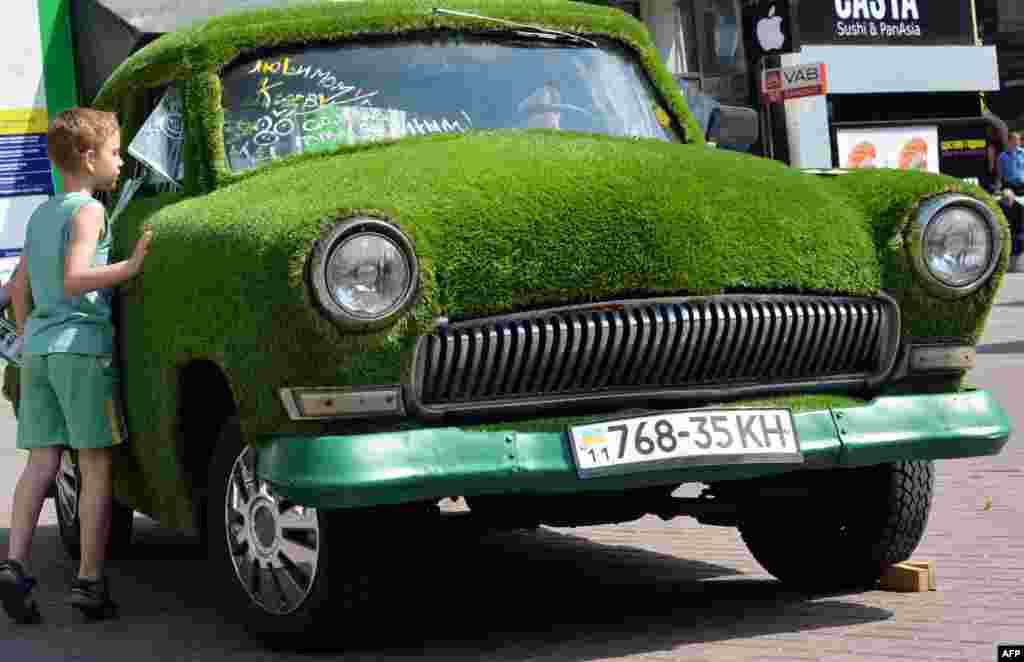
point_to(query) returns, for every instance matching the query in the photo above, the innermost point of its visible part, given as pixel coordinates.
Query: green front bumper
(433, 463)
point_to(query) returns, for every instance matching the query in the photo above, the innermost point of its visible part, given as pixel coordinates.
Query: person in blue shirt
(1011, 165)
(1011, 173)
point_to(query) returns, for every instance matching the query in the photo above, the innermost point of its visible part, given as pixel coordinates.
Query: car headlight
(364, 272)
(956, 244)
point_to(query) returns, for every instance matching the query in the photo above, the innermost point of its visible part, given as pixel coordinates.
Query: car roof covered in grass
(212, 44)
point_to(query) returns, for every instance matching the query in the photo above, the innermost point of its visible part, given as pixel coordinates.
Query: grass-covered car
(418, 255)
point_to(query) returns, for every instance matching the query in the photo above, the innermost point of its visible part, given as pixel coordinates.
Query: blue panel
(24, 166)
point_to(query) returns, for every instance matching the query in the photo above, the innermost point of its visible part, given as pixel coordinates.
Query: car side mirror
(734, 127)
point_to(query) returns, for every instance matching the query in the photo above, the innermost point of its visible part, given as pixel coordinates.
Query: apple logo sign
(769, 32)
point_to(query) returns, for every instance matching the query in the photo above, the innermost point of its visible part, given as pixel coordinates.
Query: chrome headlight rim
(337, 237)
(926, 214)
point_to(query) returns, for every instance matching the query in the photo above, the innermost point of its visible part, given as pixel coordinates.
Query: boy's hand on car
(141, 248)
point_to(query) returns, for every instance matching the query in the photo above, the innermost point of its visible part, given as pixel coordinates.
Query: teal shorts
(68, 400)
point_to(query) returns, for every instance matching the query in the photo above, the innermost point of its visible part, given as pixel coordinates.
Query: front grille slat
(853, 331)
(634, 347)
(871, 344)
(559, 354)
(736, 341)
(573, 329)
(716, 320)
(629, 343)
(488, 342)
(504, 352)
(616, 331)
(840, 342)
(699, 344)
(827, 362)
(788, 337)
(670, 345)
(658, 345)
(770, 339)
(860, 339)
(586, 352)
(602, 346)
(531, 367)
(447, 356)
(476, 344)
(516, 363)
(681, 349)
(748, 361)
(643, 347)
(432, 355)
(817, 339)
(804, 326)
(543, 367)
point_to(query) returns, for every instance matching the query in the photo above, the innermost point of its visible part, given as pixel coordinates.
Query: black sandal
(92, 598)
(15, 593)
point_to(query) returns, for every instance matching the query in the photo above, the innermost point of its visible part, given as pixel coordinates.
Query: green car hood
(503, 221)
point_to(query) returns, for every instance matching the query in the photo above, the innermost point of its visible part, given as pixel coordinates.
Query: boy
(67, 380)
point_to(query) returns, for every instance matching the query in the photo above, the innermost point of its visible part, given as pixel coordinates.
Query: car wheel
(67, 494)
(286, 569)
(850, 528)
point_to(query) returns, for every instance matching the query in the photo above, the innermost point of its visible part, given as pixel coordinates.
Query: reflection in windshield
(317, 99)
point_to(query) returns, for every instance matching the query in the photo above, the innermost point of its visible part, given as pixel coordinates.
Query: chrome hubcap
(274, 544)
(67, 489)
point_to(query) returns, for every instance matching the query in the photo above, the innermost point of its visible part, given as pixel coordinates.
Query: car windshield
(318, 98)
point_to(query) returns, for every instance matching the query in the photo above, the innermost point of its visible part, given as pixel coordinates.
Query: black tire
(854, 525)
(329, 610)
(66, 494)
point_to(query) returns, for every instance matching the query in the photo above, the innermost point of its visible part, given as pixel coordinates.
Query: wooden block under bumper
(910, 576)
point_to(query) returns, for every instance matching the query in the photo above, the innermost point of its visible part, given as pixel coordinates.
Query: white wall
(22, 93)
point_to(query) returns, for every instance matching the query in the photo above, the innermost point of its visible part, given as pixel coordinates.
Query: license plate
(695, 437)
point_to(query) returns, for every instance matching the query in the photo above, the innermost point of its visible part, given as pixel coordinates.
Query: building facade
(1001, 24)
(898, 71)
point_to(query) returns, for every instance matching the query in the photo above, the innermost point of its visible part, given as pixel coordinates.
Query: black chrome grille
(657, 347)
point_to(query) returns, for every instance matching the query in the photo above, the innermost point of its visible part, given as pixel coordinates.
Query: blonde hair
(74, 132)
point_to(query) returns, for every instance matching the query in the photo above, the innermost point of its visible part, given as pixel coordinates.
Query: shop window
(722, 38)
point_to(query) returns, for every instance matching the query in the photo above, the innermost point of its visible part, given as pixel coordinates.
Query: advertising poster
(902, 148)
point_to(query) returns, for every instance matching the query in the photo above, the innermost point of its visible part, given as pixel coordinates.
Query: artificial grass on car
(501, 221)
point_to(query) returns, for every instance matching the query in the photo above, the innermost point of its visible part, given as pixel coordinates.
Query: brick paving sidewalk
(979, 557)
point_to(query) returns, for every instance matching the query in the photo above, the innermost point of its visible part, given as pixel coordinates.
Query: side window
(154, 159)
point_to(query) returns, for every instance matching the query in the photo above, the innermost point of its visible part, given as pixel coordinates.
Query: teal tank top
(58, 323)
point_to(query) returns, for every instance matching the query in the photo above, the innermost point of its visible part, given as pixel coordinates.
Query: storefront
(904, 77)
(1001, 23)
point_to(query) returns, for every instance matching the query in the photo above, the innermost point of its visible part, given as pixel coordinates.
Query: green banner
(58, 62)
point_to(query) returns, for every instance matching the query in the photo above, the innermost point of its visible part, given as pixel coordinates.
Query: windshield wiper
(534, 30)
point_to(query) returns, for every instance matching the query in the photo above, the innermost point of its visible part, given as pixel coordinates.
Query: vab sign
(804, 80)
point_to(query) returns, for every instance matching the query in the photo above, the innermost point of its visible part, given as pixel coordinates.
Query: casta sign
(887, 22)
(879, 10)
